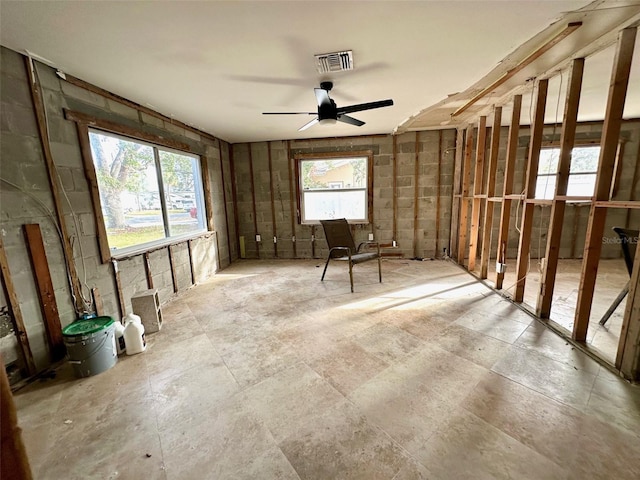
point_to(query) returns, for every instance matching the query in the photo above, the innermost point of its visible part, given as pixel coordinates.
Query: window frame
(83, 123)
(556, 146)
(368, 154)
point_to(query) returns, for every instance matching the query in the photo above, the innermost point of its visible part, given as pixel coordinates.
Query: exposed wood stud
(234, 199)
(273, 202)
(172, 265)
(16, 314)
(122, 308)
(634, 185)
(464, 204)
(526, 228)
(571, 27)
(208, 193)
(457, 194)
(41, 121)
(507, 188)
(628, 354)
(224, 199)
(292, 201)
(46, 293)
(608, 148)
(253, 204)
(90, 174)
(490, 191)
(438, 191)
(416, 190)
(147, 270)
(477, 190)
(115, 127)
(394, 187)
(191, 266)
(97, 301)
(313, 241)
(556, 219)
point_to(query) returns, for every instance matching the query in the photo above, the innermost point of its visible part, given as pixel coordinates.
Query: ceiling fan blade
(310, 124)
(351, 120)
(322, 96)
(289, 113)
(365, 106)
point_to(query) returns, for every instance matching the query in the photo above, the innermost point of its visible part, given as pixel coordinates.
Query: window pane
(128, 188)
(545, 186)
(328, 205)
(181, 182)
(585, 159)
(582, 185)
(548, 161)
(334, 173)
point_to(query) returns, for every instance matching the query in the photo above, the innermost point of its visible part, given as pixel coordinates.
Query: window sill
(158, 245)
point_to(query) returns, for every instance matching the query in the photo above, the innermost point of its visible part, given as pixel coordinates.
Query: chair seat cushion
(359, 257)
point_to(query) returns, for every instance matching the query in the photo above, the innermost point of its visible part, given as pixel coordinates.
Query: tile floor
(264, 372)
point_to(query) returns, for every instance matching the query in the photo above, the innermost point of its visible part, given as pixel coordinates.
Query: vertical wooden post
(118, 285)
(490, 191)
(628, 355)
(191, 266)
(97, 301)
(524, 246)
(456, 198)
(253, 204)
(416, 198)
(464, 198)
(16, 313)
(147, 270)
(38, 106)
(394, 187)
(172, 265)
(234, 198)
(507, 189)
(556, 220)
(292, 199)
(438, 173)
(606, 163)
(224, 199)
(46, 293)
(477, 190)
(208, 201)
(273, 203)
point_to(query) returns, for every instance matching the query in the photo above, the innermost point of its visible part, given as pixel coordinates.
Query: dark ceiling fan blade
(351, 120)
(365, 106)
(289, 113)
(310, 124)
(322, 96)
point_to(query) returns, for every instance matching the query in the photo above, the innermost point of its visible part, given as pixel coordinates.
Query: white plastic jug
(134, 335)
(119, 336)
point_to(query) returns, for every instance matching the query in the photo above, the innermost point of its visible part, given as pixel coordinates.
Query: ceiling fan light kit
(329, 113)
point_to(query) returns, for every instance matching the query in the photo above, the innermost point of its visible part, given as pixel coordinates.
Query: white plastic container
(119, 334)
(134, 335)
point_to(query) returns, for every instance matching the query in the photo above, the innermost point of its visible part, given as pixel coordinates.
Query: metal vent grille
(334, 62)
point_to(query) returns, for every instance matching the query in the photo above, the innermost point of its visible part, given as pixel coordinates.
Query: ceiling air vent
(334, 62)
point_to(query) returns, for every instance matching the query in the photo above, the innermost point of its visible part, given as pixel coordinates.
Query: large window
(582, 173)
(148, 193)
(334, 187)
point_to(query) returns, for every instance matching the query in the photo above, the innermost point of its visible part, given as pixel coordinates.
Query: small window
(148, 194)
(582, 173)
(334, 187)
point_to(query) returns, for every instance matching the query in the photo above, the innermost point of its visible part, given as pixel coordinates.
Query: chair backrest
(629, 242)
(338, 234)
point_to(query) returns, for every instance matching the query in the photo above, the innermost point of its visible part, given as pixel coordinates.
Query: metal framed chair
(628, 242)
(343, 248)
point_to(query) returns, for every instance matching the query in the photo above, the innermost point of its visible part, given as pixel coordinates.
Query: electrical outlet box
(371, 237)
(258, 238)
(501, 267)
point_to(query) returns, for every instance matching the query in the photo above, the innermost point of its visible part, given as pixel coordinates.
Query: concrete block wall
(25, 197)
(309, 239)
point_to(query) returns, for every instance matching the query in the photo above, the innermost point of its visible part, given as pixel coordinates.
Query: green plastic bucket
(91, 345)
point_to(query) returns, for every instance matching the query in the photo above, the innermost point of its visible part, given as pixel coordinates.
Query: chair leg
(614, 305)
(379, 269)
(325, 268)
(351, 275)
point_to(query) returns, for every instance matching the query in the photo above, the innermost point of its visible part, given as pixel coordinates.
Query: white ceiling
(217, 65)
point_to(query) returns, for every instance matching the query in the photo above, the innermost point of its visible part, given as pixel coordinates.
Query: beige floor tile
(474, 346)
(552, 378)
(388, 343)
(468, 447)
(616, 401)
(495, 325)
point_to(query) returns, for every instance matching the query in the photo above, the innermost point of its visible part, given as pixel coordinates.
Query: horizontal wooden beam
(571, 27)
(617, 204)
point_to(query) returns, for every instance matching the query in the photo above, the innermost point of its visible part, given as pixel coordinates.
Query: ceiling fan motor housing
(328, 111)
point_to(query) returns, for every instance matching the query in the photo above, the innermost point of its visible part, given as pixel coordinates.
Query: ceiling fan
(329, 112)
